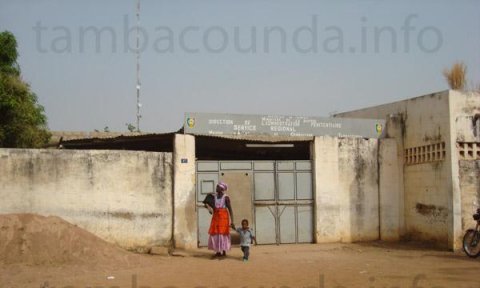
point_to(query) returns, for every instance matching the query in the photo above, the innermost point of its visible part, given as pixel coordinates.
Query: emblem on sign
(191, 122)
(378, 128)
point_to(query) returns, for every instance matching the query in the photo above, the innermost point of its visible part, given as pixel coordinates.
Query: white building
(410, 173)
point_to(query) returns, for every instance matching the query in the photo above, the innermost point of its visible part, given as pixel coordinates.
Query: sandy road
(372, 265)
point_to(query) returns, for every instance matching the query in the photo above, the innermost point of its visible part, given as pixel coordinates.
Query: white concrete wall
(185, 217)
(346, 189)
(428, 208)
(463, 106)
(469, 178)
(123, 197)
(465, 172)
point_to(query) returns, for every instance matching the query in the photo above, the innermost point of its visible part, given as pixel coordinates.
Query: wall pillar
(389, 190)
(326, 187)
(395, 127)
(455, 229)
(185, 217)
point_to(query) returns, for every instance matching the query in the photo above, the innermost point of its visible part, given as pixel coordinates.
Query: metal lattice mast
(139, 105)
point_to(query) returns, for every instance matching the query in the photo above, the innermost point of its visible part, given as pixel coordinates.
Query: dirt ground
(47, 252)
(371, 265)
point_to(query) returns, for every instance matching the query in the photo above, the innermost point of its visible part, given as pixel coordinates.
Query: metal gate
(275, 196)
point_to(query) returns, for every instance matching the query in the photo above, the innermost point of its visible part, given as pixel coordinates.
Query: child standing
(246, 238)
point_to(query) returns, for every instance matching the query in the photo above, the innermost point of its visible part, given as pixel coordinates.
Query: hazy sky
(307, 58)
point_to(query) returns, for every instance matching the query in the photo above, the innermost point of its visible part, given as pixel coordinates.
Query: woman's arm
(208, 203)
(229, 207)
(210, 209)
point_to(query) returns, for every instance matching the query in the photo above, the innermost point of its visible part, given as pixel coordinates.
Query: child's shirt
(246, 237)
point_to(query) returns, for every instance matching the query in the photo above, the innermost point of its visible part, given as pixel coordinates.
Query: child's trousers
(246, 252)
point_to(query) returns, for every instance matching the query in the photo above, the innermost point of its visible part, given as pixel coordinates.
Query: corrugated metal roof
(262, 138)
(74, 135)
(88, 137)
(143, 142)
(208, 146)
(113, 136)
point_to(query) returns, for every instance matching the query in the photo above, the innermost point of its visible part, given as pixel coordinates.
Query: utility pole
(139, 105)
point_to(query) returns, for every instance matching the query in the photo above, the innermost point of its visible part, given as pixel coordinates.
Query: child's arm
(254, 240)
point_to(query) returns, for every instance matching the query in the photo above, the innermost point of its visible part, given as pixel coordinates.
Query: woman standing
(219, 232)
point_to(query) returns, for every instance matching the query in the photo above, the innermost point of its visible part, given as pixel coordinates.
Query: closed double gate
(275, 196)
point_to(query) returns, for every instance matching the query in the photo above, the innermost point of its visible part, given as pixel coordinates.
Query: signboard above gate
(295, 126)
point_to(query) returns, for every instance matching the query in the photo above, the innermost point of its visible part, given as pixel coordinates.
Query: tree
(23, 123)
(131, 127)
(456, 76)
(8, 54)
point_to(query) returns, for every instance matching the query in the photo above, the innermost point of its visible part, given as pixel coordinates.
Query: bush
(456, 76)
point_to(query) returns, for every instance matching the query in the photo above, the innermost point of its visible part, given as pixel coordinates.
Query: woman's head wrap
(222, 186)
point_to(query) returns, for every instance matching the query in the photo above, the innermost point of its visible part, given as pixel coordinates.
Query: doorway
(275, 196)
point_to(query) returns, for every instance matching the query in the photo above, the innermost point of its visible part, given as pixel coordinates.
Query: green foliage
(131, 127)
(23, 123)
(8, 54)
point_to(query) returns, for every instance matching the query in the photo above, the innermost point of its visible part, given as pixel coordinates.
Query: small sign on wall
(184, 160)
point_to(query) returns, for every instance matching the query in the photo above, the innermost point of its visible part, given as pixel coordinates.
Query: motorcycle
(471, 240)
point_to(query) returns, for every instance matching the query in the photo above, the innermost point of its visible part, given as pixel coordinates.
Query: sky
(303, 58)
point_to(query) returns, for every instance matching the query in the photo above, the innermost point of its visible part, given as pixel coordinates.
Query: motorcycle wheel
(471, 244)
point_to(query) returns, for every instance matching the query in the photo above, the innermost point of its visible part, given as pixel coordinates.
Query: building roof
(141, 142)
(261, 138)
(207, 146)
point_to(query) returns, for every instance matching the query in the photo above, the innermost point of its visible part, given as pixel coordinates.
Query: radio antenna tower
(139, 105)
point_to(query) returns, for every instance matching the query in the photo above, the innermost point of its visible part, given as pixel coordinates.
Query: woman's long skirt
(219, 232)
